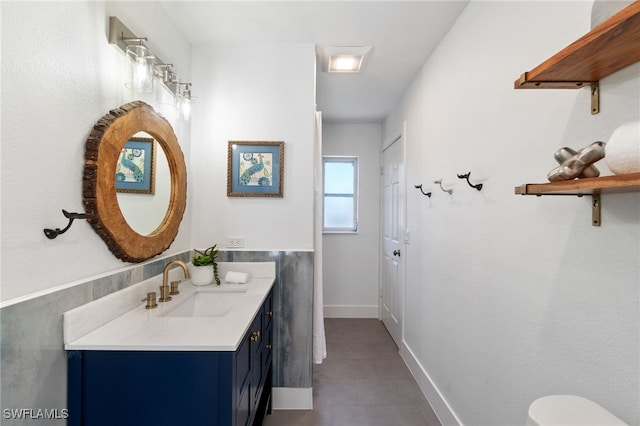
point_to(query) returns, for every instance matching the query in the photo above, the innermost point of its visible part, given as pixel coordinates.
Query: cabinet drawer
(268, 348)
(256, 331)
(268, 311)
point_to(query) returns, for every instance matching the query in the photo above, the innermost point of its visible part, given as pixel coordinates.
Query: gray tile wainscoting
(34, 364)
(293, 304)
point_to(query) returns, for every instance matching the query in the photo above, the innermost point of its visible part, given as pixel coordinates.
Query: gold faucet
(164, 290)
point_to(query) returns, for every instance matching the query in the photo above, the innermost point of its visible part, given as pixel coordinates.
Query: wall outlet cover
(235, 242)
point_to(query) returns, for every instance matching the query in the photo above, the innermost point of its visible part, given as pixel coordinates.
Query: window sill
(339, 232)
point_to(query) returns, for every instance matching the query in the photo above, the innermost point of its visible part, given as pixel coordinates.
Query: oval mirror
(103, 151)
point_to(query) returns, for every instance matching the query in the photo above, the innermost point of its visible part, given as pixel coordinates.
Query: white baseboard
(292, 398)
(440, 406)
(351, 311)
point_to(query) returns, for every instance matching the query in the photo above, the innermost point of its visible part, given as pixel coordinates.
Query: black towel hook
(466, 176)
(428, 194)
(439, 182)
(53, 233)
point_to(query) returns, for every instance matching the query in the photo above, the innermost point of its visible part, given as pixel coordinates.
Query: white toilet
(569, 410)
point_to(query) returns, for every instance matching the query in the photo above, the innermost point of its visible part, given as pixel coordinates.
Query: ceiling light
(345, 63)
(343, 58)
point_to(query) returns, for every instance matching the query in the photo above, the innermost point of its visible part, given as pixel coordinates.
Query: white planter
(201, 275)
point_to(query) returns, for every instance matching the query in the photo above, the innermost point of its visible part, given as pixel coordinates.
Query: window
(340, 190)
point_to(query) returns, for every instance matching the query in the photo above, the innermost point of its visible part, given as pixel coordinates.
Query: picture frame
(255, 169)
(136, 167)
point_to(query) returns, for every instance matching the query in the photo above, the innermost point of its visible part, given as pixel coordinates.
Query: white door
(391, 297)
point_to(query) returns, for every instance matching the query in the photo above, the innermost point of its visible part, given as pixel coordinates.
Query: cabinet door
(243, 381)
(154, 388)
(256, 356)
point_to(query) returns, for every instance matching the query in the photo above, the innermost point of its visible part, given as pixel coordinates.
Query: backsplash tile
(107, 285)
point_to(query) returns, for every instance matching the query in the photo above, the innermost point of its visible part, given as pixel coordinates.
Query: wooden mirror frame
(102, 151)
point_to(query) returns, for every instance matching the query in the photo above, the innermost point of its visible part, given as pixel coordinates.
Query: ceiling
(402, 34)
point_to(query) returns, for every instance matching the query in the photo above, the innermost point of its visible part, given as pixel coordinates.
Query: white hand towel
(236, 277)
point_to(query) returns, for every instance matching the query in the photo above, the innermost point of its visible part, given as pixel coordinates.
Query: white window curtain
(319, 342)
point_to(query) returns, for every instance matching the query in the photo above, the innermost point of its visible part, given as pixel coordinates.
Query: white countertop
(140, 329)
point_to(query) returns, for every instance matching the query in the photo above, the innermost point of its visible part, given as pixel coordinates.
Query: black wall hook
(52, 233)
(478, 186)
(428, 194)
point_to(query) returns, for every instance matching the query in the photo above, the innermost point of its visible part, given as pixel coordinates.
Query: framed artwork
(135, 169)
(255, 169)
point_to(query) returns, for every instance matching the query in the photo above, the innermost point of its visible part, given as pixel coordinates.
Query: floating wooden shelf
(606, 49)
(588, 186)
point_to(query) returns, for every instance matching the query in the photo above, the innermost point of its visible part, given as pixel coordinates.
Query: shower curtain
(319, 343)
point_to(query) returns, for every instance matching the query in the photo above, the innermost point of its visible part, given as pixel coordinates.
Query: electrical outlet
(235, 242)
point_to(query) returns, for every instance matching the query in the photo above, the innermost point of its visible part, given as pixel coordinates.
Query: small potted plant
(204, 267)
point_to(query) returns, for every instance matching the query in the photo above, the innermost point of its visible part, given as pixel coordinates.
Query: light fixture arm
(139, 40)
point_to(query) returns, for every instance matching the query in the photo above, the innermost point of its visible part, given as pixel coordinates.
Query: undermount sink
(213, 302)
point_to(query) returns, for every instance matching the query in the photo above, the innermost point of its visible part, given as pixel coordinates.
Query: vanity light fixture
(343, 59)
(146, 65)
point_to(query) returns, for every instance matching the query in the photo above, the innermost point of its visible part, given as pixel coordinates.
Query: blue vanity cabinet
(174, 388)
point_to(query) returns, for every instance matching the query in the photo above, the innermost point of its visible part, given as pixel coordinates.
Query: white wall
(509, 298)
(253, 92)
(59, 76)
(350, 261)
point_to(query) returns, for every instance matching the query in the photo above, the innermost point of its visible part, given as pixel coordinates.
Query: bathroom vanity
(203, 358)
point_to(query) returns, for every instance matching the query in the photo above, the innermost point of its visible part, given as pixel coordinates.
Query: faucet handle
(151, 300)
(174, 288)
(164, 293)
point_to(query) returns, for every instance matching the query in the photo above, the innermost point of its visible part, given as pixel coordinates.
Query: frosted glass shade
(141, 66)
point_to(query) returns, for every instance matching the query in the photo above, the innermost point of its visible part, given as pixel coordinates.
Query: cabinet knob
(268, 347)
(270, 313)
(255, 336)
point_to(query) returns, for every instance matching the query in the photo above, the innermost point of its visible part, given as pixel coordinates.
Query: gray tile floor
(363, 382)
